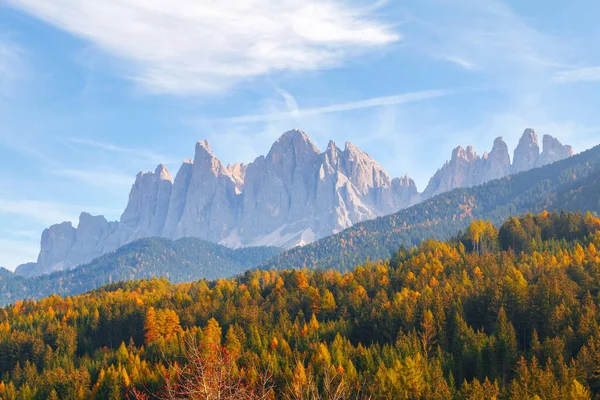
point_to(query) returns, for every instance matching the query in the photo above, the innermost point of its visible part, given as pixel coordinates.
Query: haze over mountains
(292, 196)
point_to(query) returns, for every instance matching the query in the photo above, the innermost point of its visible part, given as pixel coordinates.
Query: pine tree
(506, 343)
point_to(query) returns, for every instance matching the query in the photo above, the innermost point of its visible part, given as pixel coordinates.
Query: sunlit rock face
(292, 196)
(527, 152)
(465, 168)
(553, 151)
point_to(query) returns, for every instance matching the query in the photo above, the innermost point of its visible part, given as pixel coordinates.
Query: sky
(92, 92)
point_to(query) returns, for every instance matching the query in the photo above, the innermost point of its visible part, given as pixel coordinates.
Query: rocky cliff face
(64, 247)
(527, 152)
(461, 171)
(279, 191)
(210, 206)
(148, 204)
(553, 151)
(292, 196)
(466, 168)
(496, 163)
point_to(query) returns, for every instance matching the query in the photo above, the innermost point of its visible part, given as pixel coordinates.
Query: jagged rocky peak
(404, 191)
(466, 168)
(204, 204)
(57, 241)
(162, 173)
(332, 159)
(527, 152)
(238, 170)
(294, 143)
(178, 197)
(292, 196)
(332, 152)
(461, 153)
(364, 172)
(206, 161)
(501, 149)
(553, 150)
(496, 163)
(405, 181)
(279, 189)
(460, 171)
(203, 156)
(238, 173)
(203, 144)
(148, 202)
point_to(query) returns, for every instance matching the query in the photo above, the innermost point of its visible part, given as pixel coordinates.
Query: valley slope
(183, 260)
(572, 184)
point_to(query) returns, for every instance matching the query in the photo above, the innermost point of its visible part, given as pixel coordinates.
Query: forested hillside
(183, 260)
(509, 313)
(572, 184)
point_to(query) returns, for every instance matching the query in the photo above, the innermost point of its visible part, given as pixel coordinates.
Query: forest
(572, 184)
(182, 260)
(508, 313)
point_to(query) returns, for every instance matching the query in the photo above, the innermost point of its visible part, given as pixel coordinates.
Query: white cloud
(461, 62)
(191, 46)
(591, 74)
(348, 106)
(143, 154)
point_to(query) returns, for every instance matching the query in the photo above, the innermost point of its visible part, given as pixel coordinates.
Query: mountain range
(571, 184)
(291, 197)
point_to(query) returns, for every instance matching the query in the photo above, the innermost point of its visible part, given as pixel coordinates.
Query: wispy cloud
(191, 46)
(290, 101)
(591, 74)
(143, 154)
(347, 106)
(487, 37)
(461, 62)
(12, 64)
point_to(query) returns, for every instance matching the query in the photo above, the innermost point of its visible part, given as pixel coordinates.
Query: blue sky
(91, 92)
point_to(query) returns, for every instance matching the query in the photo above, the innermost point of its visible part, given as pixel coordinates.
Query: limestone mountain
(571, 184)
(527, 152)
(293, 196)
(466, 168)
(553, 151)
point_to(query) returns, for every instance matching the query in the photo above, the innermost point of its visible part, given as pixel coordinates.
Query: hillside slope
(182, 260)
(571, 184)
(440, 321)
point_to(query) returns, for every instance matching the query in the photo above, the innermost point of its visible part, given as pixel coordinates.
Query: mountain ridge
(552, 187)
(292, 196)
(571, 184)
(181, 260)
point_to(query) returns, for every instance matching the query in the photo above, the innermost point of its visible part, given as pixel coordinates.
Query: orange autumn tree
(161, 324)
